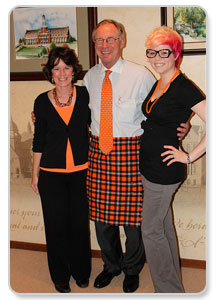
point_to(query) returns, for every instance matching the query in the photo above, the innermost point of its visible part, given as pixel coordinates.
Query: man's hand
(183, 130)
(33, 118)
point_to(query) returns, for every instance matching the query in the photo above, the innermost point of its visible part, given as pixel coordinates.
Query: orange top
(65, 114)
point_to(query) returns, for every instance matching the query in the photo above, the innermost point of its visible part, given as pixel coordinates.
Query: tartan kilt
(114, 187)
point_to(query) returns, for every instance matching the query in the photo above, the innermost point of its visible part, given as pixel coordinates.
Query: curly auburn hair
(68, 56)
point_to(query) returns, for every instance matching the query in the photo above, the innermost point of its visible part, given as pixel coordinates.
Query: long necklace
(60, 104)
(162, 89)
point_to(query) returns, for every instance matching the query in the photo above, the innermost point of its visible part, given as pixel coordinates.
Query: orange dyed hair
(166, 36)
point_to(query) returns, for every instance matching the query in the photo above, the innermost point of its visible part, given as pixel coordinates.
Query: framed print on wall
(190, 23)
(32, 38)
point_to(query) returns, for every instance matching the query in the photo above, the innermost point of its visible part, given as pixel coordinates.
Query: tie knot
(107, 73)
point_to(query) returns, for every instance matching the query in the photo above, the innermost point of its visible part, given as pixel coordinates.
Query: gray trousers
(159, 237)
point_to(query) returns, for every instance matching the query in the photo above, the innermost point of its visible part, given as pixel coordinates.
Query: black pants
(65, 211)
(132, 261)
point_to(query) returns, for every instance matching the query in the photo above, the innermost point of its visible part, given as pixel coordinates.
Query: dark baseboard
(28, 246)
(189, 263)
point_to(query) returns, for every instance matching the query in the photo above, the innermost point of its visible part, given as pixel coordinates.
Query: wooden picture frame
(167, 20)
(88, 15)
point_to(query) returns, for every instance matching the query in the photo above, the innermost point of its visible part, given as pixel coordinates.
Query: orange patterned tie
(106, 132)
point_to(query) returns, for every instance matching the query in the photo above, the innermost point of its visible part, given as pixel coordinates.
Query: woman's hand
(174, 155)
(34, 184)
(35, 172)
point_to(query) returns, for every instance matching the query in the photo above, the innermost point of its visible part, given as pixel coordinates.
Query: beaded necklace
(162, 89)
(60, 104)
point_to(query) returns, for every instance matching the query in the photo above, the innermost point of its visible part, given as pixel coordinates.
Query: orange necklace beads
(162, 89)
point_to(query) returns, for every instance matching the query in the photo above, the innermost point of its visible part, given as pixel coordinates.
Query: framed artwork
(36, 30)
(190, 22)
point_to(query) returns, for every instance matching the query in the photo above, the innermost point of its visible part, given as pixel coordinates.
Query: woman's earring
(72, 77)
(52, 80)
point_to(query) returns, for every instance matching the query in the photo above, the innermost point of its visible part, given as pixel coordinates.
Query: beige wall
(190, 201)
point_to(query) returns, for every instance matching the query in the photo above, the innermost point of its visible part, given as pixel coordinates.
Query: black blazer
(51, 133)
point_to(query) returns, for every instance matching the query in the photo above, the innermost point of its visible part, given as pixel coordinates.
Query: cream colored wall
(189, 205)
(138, 22)
(25, 208)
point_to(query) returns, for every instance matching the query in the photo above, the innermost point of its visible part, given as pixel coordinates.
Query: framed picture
(36, 30)
(190, 22)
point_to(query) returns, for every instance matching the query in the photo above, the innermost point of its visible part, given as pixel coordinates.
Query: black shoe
(131, 283)
(104, 278)
(83, 283)
(62, 287)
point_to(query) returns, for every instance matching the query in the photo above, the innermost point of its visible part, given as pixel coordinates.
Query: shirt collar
(116, 68)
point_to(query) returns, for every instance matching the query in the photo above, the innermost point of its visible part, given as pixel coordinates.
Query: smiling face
(62, 74)
(108, 53)
(163, 66)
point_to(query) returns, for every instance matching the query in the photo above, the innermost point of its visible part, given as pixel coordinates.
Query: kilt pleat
(114, 186)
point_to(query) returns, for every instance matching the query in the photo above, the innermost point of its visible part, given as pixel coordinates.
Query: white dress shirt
(131, 84)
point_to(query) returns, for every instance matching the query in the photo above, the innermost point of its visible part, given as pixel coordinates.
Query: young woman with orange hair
(172, 100)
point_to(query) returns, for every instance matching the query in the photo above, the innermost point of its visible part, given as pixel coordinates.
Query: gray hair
(119, 26)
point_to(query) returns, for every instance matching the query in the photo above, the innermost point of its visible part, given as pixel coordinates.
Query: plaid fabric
(114, 186)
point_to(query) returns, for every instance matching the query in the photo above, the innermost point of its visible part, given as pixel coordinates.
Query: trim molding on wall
(189, 263)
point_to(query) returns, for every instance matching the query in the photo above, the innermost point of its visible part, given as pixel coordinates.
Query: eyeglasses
(163, 53)
(109, 40)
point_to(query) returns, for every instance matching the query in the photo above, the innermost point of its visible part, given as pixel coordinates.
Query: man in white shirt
(114, 183)
(114, 186)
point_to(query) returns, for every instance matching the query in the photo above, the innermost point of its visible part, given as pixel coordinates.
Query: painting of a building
(38, 30)
(45, 36)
